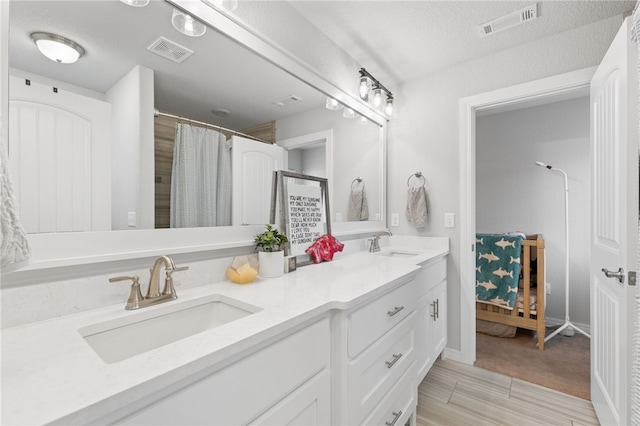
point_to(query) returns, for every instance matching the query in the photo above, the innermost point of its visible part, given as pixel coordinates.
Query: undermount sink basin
(398, 253)
(118, 339)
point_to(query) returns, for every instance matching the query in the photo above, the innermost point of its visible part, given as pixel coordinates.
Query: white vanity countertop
(49, 373)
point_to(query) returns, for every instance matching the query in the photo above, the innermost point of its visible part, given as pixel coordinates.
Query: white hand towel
(14, 246)
(358, 205)
(417, 207)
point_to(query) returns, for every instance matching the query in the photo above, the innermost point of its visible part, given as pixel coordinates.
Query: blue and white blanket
(498, 269)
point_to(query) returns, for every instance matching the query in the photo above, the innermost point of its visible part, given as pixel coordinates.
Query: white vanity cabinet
(431, 326)
(287, 382)
(381, 359)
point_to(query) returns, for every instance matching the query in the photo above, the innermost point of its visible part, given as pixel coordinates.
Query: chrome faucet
(375, 241)
(153, 297)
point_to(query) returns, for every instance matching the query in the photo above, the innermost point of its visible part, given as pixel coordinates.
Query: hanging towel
(14, 247)
(358, 205)
(417, 207)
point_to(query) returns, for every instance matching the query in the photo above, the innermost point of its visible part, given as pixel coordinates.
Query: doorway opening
(541, 92)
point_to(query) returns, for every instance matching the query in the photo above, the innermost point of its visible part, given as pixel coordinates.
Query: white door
(252, 167)
(59, 154)
(614, 230)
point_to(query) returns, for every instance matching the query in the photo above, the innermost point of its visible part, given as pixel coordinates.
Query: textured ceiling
(400, 40)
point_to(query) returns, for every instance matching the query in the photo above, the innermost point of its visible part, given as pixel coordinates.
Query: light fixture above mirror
(57, 48)
(369, 84)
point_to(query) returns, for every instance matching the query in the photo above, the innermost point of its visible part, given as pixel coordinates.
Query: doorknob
(619, 275)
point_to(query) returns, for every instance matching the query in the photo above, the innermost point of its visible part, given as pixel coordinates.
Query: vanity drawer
(371, 321)
(429, 276)
(400, 403)
(373, 373)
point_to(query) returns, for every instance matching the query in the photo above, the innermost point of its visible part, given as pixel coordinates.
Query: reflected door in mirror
(252, 165)
(59, 157)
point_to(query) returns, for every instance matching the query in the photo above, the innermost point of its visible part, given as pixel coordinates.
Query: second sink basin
(398, 253)
(118, 339)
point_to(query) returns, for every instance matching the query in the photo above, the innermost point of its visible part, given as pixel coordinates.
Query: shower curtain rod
(157, 113)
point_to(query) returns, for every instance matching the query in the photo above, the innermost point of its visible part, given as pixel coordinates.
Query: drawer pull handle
(396, 309)
(395, 419)
(393, 361)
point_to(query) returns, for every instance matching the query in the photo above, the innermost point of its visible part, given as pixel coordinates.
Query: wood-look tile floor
(460, 394)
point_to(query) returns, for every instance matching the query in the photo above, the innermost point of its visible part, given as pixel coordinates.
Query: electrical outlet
(338, 217)
(547, 288)
(131, 219)
(395, 219)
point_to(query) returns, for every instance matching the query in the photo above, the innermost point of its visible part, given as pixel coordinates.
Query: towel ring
(359, 180)
(417, 175)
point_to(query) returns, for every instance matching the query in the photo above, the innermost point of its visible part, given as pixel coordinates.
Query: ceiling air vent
(511, 20)
(287, 101)
(169, 50)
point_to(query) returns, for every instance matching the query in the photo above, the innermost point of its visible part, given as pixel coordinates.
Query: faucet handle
(135, 296)
(169, 289)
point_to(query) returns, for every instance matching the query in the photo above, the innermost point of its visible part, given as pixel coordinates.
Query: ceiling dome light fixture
(57, 48)
(369, 83)
(187, 25)
(135, 3)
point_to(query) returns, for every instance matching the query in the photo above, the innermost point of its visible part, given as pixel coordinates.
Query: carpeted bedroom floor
(564, 365)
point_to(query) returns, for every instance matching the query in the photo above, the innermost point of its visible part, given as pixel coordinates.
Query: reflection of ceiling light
(57, 48)
(187, 25)
(221, 112)
(136, 3)
(332, 104)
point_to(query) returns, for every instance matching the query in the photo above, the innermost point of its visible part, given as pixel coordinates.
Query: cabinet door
(437, 325)
(247, 389)
(307, 405)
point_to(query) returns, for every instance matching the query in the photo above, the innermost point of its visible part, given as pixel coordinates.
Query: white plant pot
(271, 263)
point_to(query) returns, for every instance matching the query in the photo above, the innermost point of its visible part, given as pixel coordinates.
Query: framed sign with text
(300, 207)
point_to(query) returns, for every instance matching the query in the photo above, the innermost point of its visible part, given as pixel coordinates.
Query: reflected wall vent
(170, 50)
(511, 20)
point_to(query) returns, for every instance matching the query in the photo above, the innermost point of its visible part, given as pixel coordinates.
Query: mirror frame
(62, 250)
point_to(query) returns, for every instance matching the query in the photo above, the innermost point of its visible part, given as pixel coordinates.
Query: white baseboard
(456, 355)
(552, 322)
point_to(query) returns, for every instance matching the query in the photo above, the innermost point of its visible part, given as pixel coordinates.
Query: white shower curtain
(635, 356)
(200, 178)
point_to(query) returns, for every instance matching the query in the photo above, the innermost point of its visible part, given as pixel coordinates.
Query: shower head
(541, 164)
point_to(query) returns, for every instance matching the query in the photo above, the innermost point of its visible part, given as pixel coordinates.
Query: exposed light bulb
(348, 113)
(388, 108)
(135, 3)
(187, 25)
(377, 97)
(333, 104)
(363, 89)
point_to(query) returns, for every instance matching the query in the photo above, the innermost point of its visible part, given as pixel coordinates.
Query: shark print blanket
(497, 269)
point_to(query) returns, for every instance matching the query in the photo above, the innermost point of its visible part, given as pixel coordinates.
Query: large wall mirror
(93, 158)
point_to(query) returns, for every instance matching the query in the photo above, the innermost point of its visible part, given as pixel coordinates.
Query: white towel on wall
(14, 246)
(417, 207)
(358, 205)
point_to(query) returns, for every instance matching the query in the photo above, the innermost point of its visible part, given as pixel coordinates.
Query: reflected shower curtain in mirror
(200, 178)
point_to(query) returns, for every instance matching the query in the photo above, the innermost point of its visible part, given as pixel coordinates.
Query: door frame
(551, 89)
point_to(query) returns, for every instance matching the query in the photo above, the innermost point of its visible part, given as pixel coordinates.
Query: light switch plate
(395, 219)
(449, 220)
(131, 219)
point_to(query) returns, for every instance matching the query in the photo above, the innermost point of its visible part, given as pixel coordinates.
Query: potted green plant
(270, 246)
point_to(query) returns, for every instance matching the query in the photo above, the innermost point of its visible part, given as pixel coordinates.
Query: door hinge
(632, 277)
